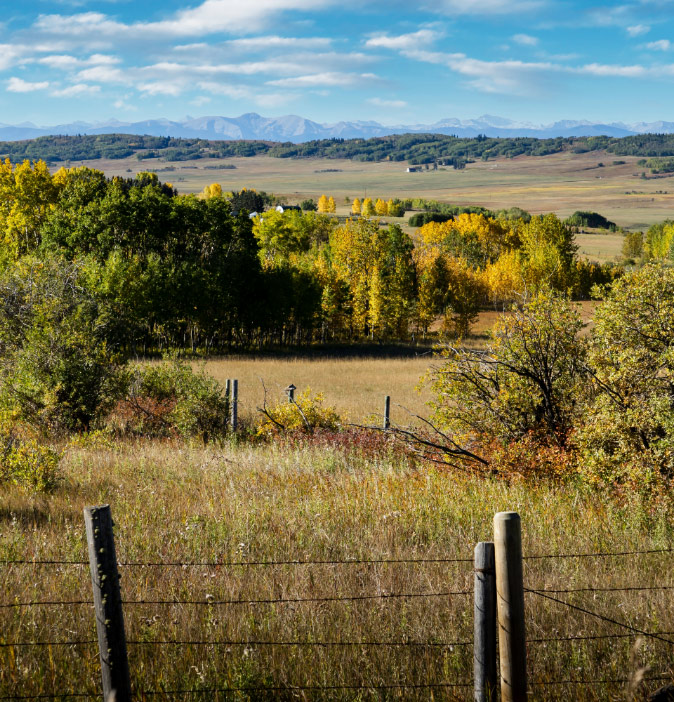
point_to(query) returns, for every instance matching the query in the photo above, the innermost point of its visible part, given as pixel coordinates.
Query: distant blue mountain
(299, 129)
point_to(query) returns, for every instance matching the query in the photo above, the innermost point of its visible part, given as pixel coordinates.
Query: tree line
(414, 148)
(184, 271)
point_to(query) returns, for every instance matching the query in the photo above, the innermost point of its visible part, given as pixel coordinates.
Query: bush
(26, 463)
(170, 399)
(525, 385)
(627, 433)
(57, 371)
(304, 415)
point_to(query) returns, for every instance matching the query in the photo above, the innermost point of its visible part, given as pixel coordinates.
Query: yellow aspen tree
(323, 204)
(367, 209)
(380, 207)
(332, 207)
(26, 196)
(355, 207)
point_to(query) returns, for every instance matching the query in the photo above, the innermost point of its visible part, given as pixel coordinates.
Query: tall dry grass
(318, 500)
(355, 386)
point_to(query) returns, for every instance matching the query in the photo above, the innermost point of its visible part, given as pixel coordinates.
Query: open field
(355, 386)
(560, 183)
(327, 499)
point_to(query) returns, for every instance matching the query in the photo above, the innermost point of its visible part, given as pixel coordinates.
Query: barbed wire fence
(105, 575)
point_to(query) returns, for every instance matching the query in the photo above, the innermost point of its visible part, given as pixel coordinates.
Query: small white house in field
(413, 169)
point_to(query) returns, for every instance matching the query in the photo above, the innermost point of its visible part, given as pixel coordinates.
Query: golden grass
(355, 386)
(318, 501)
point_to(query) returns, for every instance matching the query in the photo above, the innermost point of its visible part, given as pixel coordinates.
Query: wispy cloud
(76, 90)
(18, 85)
(636, 30)
(525, 40)
(659, 45)
(381, 102)
(210, 17)
(414, 40)
(330, 79)
(483, 7)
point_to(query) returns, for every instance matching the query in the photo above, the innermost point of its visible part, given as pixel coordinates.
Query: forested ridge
(413, 148)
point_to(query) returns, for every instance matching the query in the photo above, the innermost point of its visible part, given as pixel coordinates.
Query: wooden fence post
(107, 604)
(228, 395)
(387, 412)
(290, 391)
(235, 404)
(510, 606)
(484, 638)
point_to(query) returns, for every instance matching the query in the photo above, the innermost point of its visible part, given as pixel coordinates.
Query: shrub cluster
(546, 398)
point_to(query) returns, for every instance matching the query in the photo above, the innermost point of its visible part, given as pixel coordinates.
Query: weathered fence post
(484, 638)
(387, 412)
(290, 391)
(510, 606)
(228, 394)
(107, 604)
(235, 404)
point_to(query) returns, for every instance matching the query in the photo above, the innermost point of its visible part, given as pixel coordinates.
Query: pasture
(339, 497)
(560, 183)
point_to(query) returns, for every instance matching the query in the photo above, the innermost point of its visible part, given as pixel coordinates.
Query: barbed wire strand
(233, 564)
(442, 644)
(291, 688)
(600, 616)
(294, 600)
(46, 603)
(349, 561)
(253, 642)
(14, 644)
(598, 554)
(635, 588)
(605, 681)
(591, 637)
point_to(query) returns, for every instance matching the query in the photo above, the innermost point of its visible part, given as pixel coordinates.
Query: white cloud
(9, 55)
(76, 90)
(66, 62)
(414, 40)
(660, 45)
(379, 102)
(525, 40)
(613, 70)
(233, 91)
(103, 74)
(210, 17)
(17, 85)
(200, 101)
(276, 42)
(325, 79)
(483, 7)
(636, 30)
(161, 87)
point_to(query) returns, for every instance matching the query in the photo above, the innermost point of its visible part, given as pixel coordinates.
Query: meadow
(560, 183)
(327, 497)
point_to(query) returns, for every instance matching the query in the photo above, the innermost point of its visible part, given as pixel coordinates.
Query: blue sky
(529, 60)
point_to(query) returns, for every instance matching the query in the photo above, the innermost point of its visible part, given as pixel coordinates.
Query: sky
(395, 62)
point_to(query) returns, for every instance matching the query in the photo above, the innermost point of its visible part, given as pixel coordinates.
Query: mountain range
(297, 129)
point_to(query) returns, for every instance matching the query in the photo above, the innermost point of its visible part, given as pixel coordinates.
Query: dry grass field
(560, 183)
(355, 386)
(339, 497)
(326, 499)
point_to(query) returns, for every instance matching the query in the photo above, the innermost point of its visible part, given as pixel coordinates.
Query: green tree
(526, 384)
(628, 427)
